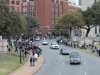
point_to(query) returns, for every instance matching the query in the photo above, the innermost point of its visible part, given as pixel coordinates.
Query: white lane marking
(60, 73)
(85, 73)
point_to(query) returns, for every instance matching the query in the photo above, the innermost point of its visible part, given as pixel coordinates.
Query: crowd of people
(27, 47)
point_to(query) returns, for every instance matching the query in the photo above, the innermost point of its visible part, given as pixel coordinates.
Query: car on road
(44, 42)
(54, 45)
(37, 39)
(64, 51)
(75, 58)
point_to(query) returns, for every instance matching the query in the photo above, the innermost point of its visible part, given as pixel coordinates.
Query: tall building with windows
(59, 7)
(15, 5)
(28, 7)
(46, 11)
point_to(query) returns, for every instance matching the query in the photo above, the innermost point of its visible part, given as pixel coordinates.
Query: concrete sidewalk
(29, 70)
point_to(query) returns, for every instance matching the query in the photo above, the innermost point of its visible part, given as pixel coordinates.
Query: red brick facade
(46, 11)
(16, 5)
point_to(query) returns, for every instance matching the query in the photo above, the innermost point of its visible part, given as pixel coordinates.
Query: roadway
(56, 64)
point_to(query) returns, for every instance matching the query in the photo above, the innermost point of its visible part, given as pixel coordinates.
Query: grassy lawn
(9, 63)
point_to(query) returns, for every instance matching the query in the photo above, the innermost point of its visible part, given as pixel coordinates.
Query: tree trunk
(70, 32)
(88, 30)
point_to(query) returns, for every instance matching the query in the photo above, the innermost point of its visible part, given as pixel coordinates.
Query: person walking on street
(31, 61)
(35, 56)
(99, 52)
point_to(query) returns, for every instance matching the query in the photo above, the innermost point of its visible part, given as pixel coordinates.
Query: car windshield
(65, 50)
(54, 43)
(44, 41)
(75, 56)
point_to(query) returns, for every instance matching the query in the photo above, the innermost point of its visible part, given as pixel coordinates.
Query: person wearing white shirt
(35, 56)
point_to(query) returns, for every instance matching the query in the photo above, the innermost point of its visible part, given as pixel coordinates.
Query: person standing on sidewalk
(31, 61)
(35, 56)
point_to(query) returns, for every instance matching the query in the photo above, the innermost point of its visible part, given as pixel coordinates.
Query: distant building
(15, 5)
(59, 7)
(28, 7)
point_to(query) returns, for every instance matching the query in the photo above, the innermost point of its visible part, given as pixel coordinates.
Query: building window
(17, 2)
(12, 2)
(32, 2)
(95, 29)
(24, 3)
(32, 14)
(31, 8)
(24, 9)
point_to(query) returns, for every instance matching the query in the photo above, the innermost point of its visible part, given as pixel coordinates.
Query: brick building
(15, 5)
(46, 11)
(59, 7)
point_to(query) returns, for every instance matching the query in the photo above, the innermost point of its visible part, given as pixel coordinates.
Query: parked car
(75, 58)
(64, 52)
(54, 45)
(44, 42)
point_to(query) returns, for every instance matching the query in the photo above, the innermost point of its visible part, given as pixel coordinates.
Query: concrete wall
(3, 45)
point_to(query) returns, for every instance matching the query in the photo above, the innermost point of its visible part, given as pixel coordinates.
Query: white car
(37, 38)
(54, 45)
(44, 42)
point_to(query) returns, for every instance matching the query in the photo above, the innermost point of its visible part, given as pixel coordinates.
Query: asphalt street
(56, 64)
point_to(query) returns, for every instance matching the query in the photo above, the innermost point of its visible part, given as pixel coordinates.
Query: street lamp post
(20, 47)
(84, 39)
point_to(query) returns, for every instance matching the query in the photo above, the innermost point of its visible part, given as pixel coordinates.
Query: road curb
(19, 67)
(40, 66)
(35, 69)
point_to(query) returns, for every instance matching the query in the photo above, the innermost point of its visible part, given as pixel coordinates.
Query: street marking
(85, 73)
(60, 73)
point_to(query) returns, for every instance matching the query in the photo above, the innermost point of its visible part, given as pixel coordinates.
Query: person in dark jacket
(31, 61)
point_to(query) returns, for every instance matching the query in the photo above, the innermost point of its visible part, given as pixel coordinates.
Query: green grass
(9, 63)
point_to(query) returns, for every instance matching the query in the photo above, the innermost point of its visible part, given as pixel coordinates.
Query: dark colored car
(64, 52)
(75, 58)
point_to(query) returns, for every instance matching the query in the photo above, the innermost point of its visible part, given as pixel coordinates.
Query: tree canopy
(14, 24)
(91, 17)
(70, 20)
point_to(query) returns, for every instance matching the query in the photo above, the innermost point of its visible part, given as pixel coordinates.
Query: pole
(84, 42)
(20, 56)
(20, 46)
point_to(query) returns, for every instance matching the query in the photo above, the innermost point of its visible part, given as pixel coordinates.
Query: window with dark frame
(17, 2)
(12, 2)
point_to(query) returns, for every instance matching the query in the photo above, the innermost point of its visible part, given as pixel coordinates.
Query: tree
(89, 20)
(10, 24)
(91, 17)
(24, 24)
(70, 20)
(32, 22)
